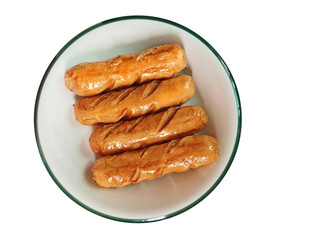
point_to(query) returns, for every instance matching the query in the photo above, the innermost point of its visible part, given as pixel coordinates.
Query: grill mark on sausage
(123, 115)
(136, 175)
(166, 118)
(143, 151)
(171, 145)
(135, 123)
(151, 88)
(112, 128)
(125, 94)
(99, 99)
(153, 108)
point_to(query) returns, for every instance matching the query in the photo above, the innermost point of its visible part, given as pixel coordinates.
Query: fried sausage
(147, 130)
(92, 78)
(134, 101)
(178, 155)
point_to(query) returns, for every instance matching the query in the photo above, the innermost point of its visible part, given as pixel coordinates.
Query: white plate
(63, 142)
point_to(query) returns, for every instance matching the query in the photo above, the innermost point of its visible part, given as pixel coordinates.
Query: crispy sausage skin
(92, 78)
(135, 101)
(178, 155)
(147, 130)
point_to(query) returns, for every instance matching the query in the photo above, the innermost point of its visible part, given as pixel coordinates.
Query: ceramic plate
(63, 142)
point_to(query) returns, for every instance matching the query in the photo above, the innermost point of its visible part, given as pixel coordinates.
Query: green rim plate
(124, 18)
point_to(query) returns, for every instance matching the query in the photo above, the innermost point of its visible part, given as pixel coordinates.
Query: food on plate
(178, 155)
(134, 101)
(92, 78)
(144, 135)
(147, 130)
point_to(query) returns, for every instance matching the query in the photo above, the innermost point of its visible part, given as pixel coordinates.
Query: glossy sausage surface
(92, 78)
(135, 101)
(147, 130)
(178, 155)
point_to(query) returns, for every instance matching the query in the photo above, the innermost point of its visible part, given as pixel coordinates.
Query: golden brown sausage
(134, 101)
(147, 130)
(88, 79)
(178, 155)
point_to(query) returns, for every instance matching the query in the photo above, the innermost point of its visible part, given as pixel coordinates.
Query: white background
(272, 190)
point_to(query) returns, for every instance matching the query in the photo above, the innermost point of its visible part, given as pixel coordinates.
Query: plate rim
(236, 94)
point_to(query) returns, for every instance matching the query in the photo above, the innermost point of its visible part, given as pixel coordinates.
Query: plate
(63, 142)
